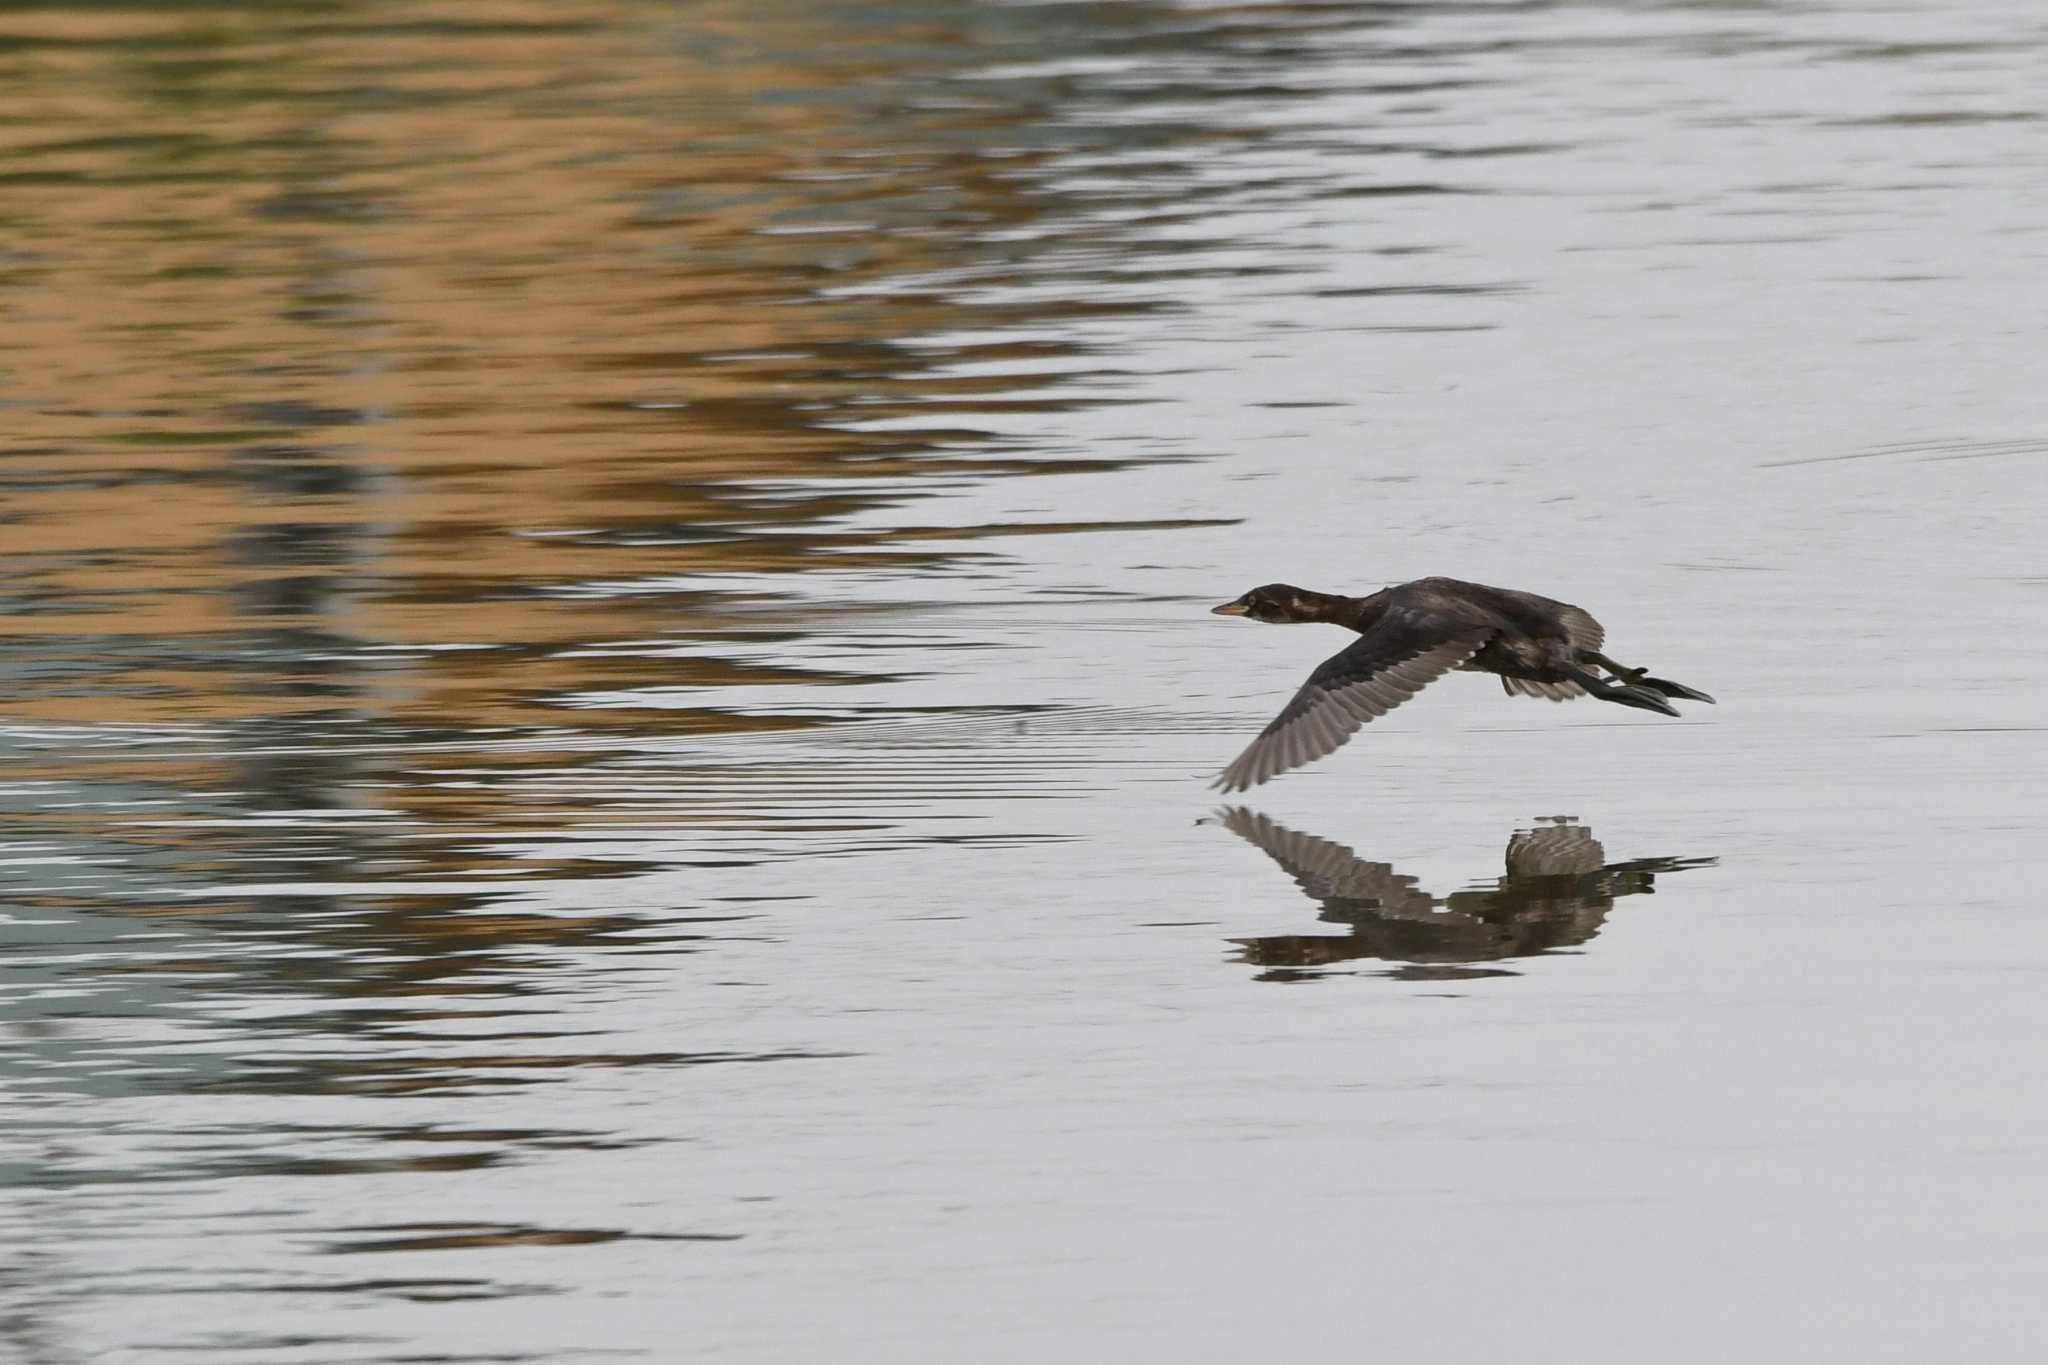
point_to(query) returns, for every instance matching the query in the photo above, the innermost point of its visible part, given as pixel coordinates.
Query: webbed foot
(1670, 689)
(1622, 693)
(1644, 697)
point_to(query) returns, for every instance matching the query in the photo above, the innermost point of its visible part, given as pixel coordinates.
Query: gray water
(607, 686)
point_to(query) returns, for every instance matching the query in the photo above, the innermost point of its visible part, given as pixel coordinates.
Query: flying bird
(1412, 634)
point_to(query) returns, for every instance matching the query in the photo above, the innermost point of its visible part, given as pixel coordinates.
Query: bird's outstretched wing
(1403, 652)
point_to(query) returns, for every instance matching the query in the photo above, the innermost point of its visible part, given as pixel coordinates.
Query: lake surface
(607, 686)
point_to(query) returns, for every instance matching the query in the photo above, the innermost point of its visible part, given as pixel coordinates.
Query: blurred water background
(606, 682)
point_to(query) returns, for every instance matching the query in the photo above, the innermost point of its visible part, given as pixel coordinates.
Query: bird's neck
(1354, 612)
(1337, 610)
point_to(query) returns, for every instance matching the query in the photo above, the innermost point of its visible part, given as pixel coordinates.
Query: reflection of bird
(1556, 892)
(1411, 635)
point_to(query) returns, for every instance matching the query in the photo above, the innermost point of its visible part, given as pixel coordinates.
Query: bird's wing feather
(1403, 652)
(1553, 691)
(1580, 627)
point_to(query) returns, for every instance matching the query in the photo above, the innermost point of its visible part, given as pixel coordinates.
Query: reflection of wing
(1557, 892)
(1559, 850)
(1328, 871)
(1403, 652)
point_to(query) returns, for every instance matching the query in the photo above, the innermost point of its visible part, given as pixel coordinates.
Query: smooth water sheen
(607, 683)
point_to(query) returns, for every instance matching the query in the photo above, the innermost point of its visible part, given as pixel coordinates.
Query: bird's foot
(1670, 689)
(1640, 678)
(1643, 697)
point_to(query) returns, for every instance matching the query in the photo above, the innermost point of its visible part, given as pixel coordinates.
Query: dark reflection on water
(1555, 893)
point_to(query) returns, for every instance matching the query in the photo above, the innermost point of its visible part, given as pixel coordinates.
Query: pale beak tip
(1228, 609)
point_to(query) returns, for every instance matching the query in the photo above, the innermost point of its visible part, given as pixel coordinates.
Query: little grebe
(1412, 634)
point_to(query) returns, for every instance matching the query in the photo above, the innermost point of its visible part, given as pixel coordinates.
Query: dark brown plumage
(1413, 634)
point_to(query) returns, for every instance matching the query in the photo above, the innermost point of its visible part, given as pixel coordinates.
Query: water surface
(608, 683)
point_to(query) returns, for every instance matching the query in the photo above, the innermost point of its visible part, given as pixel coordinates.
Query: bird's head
(1278, 604)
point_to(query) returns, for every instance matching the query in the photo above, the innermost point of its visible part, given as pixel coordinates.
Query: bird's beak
(1230, 609)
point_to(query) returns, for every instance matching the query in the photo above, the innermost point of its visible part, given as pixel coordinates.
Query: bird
(1412, 634)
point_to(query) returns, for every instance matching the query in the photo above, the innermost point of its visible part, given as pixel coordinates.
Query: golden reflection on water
(339, 339)
(419, 422)
(384, 385)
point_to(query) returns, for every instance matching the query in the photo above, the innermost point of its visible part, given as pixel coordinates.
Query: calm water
(607, 686)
